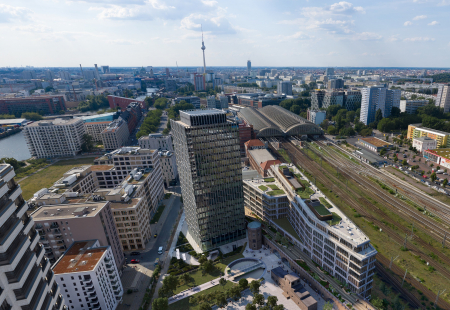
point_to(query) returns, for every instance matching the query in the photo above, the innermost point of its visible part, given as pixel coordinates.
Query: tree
(48, 89)
(327, 306)
(272, 301)
(186, 278)
(170, 283)
(202, 259)
(250, 307)
(296, 109)
(332, 110)
(278, 307)
(205, 306)
(207, 267)
(235, 292)
(160, 304)
(128, 93)
(331, 130)
(383, 151)
(193, 300)
(395, 158)
(433, 176)
(87, 143)
(377, 303)
(404, 162)
(13, 162)
(222, 282)
(254, 287)
(160, 103)
(378, 116)
(243, 284)
(32, 116)
(221, 300)
(395, 112)
(444, 183)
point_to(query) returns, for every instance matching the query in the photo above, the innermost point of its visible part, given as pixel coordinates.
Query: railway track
(361, 205)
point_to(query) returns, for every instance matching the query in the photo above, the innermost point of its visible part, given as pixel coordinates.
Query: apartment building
(411, 106)
(168, 168)
(331, 239)
(40, 104)
(417, 131)
(194, 100)
(156, 141)
(373, 98)
(208, 159)
(60, 225)
(88, 277)
(59, 137)
(115, 135)
(325, 98)
(316, 116)
(95, 129)
(443, 97)
(26, 280)
(352, 99)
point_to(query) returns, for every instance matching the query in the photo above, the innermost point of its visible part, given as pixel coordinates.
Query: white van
(160, 250)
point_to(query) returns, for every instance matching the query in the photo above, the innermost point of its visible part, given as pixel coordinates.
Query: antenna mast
(203, 49)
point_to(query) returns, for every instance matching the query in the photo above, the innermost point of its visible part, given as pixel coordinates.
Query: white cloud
(124, 42)
(296, 36)
(444, 3)
(214, 22)
(344, 7)
(419, 39)
(375, 54)
(433, 23)
(366, 36)
(209, 2)
(407, 23)
(419, 17)
(33, 28)
(393, 38)
(9, 13)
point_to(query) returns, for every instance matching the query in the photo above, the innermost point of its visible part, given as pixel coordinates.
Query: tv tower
(203, 49)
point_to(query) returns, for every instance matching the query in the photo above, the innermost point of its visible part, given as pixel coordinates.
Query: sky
(273, 33)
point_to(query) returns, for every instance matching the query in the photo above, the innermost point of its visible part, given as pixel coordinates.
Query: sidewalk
(193, 290)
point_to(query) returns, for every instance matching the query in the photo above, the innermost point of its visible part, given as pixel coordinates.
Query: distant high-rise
(249, 67)
(208, 158)
(284, 87)
(203, 49)
(167, 72)
(199, 82)
(336, 84)
(105, 69)
(373, 98)
(329, 71)
(443, 97)
(97, 75)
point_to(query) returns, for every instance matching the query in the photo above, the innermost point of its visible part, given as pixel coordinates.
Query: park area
(45, 178)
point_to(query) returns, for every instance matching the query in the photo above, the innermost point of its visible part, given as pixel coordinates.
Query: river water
(14, 146)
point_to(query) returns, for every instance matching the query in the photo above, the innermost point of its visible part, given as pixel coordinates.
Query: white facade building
(317, 117)
(443, 97)
(424, 143)
(168, 167)
(26, 280)
(411, 106)
(373, 98)
(88, 277)
(156, 141)
(59, 137)
(115, 135)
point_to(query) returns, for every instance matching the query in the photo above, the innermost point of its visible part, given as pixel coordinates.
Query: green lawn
(48, 176)
(262, 187)
(273, 186)
(184, 303)
(232, 258)
(158, 213)
(275, 192)
(269, 180)
(304, 193)
(336, 219)
(321, 210)
(325, 202)
(200, 279)
(284, 223)
(305, 183)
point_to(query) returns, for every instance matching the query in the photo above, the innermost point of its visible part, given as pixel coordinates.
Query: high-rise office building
(329, 71)
(352, 99)
(284, 87)
(199, 82)
(335, 84)
(443, 97)
(393, 97)
(208, 158)
(26, 280)
(373, 98)
(249, 67)
(105, 69)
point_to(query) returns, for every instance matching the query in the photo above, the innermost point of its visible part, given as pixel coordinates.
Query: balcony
(5, 204)
(113, 277)
(24, 292)
(14, 192)
(54, 225)
(40, 290)
(96, 306)
(14, 249)
(8, 228)
(109, 266)
(17, 274)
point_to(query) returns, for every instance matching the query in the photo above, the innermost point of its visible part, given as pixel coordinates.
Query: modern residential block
(156, 141)
(417, 131)
(194, 100)
(373, 98)
(284, 87)
(26, 280)
(88, 276)
(411, 106)
(169, 168)
(60, 225)
(115, 135)
(316, 116)
(208, 158)
(59, 137)
(443, 97)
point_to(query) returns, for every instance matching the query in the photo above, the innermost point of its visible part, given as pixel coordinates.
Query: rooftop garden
(273, 186)
(336, 219)
(304, 193)
(322, 210)
(276, 192)
(325, 202)
(263, 188)
(269, 180)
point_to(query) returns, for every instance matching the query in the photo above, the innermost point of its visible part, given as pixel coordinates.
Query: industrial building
(275, 121)
(374, 144)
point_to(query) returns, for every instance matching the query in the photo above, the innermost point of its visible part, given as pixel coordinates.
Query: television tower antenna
(203, 49)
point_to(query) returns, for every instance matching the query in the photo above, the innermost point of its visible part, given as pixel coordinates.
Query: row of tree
(174, 111)
(150, 123)
(93, 103)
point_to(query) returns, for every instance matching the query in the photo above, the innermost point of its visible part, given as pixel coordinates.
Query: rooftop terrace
(80, 257)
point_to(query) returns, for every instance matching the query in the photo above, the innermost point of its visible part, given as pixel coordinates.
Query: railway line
(362, 206)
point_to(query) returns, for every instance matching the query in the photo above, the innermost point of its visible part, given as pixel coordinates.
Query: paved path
(193, 290)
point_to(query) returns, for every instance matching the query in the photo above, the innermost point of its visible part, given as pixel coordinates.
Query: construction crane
(74, 93)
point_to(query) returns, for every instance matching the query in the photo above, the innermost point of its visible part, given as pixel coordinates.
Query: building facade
(168, 168)
(95, 129)
(156, 141)
(40, 104)
(443, 97)
(284, 87)
(115, 135)
(372, 99)
(335, 84)
(59, 137)
(352, 99)
(88, 277)
(424, 143)
(26, 280)
(122, 102)
(411, 106)
(199, 82)
(208, 159)
(60, 225)
(316, 117)
(417, 131)
(194, 100)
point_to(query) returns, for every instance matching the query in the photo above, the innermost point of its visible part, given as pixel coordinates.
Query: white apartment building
(317, 117)
(443, 97)
(115, 135)
(168, 167)
(88, 277)
(326, 235)
(424, 143)
(411, 106)
(156, 141)
(26, 280)
(95, 129)
(59, 137)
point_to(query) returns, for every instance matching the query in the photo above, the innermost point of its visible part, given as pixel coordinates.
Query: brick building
(246, 133)
(40, 104)
(122, 102)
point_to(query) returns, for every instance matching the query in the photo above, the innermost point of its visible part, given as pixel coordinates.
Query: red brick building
(122, 102)
(259, 157)
(41, 104)
(246, 133)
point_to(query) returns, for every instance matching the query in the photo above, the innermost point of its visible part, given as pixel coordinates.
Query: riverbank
(10, 132)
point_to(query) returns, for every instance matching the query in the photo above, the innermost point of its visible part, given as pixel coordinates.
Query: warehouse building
(374, 144)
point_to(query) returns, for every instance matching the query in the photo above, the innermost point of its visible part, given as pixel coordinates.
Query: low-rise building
(59, 225)
(417, 131)
(439, 156)
(115, 135)
(316, 116)
(411, 106)
(290, 283)
(59, 137)
(259, 157)
(88, 276)
(245, 134)
(374, 144)
(156, 141)
(424, 143)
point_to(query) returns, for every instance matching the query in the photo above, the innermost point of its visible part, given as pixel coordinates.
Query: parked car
(135, 253)
(134, 261)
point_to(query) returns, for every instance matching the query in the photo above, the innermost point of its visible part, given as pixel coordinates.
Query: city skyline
(161, 33)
